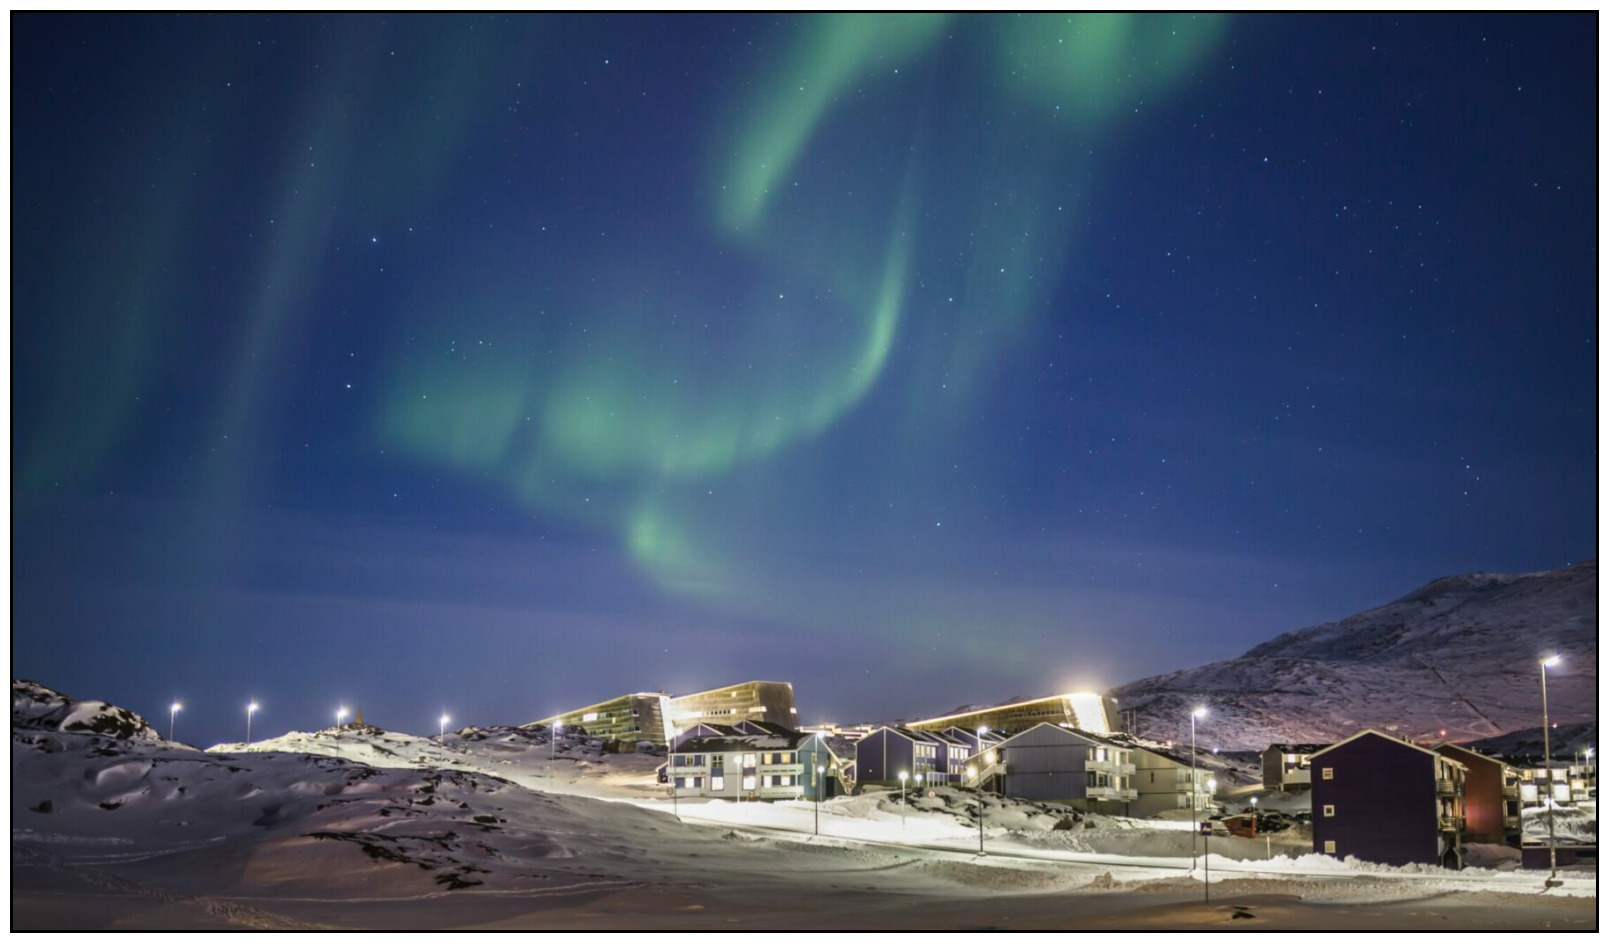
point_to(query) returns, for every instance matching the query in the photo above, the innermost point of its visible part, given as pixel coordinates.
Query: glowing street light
(1547, 754)
(1194, 715)
(340, 717)
(250, 710)
(902, 775)
(442, 736)
(173, 713)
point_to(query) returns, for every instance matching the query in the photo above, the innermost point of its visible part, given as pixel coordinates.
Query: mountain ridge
(1459, 654)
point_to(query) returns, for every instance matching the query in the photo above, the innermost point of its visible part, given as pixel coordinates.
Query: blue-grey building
(1052, 763)
(883, 754)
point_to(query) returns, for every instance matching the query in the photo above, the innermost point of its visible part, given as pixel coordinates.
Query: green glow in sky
(624, 400)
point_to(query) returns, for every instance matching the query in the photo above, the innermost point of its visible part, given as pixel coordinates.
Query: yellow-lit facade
(1091, 713)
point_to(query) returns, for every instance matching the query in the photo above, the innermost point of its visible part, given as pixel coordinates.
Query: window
(717, 783)
(588, 718)
(748, 763)
(748, 783)
(1329, 772)
(1329, 811)
(1329, 847)
(790, 758)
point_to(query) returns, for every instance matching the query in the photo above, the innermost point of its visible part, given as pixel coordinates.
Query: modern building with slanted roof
(1089, 712)
(658, 718)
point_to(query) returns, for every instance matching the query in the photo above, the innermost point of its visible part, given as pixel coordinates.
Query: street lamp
(1197, 713)
(340, 718)
(902, 775)
(821, 787)
(173, 713)
(981, 761)
(553, 739)
(1254, 816)
(442, 736)
(1547, 755)
(250, 710)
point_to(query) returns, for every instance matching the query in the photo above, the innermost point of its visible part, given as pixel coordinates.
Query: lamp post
(1198, 712)
(250, 710)
(675, 794)
(553, 739)
(1254, 816)
(1206, 854)
(821, 787)
(173, 713)
(340, 718)
(1547, 756)
(902, 775)
(442, 727)
(982, 759)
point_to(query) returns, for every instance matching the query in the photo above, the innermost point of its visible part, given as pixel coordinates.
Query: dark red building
(1491, 796)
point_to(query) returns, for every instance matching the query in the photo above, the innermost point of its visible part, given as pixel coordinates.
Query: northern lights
(518, 358)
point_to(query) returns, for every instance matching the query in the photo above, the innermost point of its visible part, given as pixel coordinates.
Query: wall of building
(1383, 795)
(1485, 805)
(881, 755)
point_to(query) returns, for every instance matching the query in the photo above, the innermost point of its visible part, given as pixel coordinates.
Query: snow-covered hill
(1459, 654)
(574, 765)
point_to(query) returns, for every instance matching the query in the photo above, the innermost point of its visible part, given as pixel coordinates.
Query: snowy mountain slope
(1525, 746)
(289, 827)
(1459, 654)
(575, 765)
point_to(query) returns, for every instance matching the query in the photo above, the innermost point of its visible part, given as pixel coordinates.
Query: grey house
(1286, 766)
(1059, 764)
(883, 754)
(815, 752)
(1165, 781)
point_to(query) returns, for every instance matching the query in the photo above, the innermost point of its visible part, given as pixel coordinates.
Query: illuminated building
(1091, 713)
(658, 718)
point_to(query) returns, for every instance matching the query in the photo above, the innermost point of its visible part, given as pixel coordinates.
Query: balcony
(1111, 792)
(1446, 787)
(1107, 766)
(1452, 823)
(1511, 791)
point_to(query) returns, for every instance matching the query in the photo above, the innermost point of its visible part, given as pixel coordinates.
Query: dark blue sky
(500, 364)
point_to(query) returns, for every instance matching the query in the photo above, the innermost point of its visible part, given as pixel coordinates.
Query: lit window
(1329, 811)
(748, 783)
(587, 718)
(748, 760)
(717, 783)
(1329, 772)
(1329, 847)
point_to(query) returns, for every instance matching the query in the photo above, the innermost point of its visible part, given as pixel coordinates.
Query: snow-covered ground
(498, 828)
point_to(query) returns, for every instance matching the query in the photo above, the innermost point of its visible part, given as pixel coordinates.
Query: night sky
(502, 364)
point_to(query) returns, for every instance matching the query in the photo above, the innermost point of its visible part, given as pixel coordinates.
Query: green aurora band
(629, 418)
